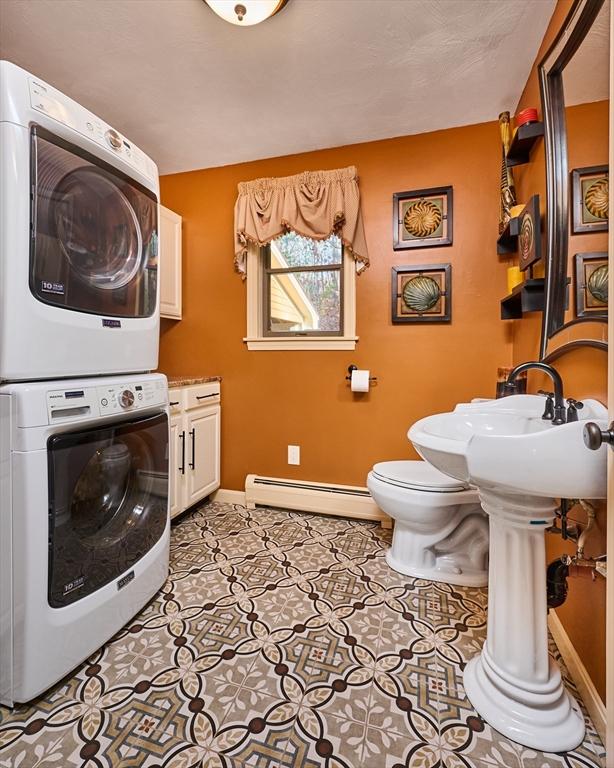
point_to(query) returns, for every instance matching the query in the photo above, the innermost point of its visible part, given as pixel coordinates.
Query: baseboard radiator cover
(323, 498)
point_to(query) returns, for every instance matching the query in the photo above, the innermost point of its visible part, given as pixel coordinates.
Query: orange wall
(584, 371)
(272, 399)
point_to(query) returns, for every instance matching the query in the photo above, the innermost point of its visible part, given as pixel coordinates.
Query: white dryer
(84, 520)
(78, 239)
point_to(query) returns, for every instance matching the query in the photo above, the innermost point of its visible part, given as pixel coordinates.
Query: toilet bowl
(440, 531)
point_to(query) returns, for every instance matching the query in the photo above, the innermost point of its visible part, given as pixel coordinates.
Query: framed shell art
(529, 234)
(422, 218)
(591, 284)
(422, 294)
(590, 199)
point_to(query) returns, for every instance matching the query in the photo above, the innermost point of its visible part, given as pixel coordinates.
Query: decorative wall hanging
(590, 196)
(422, 294)
(591, 284)
(507, 188)
(529, 234)
(422, 218)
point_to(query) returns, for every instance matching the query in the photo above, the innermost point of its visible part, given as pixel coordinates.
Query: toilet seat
(417, 476)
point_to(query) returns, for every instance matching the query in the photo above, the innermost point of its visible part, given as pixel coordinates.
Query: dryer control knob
(113, 138)
(126, 398)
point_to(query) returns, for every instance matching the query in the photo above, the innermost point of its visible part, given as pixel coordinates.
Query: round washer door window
(97, 229)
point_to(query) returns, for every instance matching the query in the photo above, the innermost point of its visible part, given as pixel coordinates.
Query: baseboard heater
(324, 498)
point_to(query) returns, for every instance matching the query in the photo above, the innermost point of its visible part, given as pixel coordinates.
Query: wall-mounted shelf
(522, 143)
(508, 239)
(526, 297)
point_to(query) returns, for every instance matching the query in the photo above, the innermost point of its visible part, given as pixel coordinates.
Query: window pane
(292, 250)
(305, 301)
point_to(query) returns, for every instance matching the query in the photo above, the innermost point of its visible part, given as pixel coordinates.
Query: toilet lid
(419, 475)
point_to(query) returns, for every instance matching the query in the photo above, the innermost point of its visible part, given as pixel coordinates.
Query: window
(301, 294)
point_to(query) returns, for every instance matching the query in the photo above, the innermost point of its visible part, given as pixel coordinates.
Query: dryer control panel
(111, 399)
(54, 104)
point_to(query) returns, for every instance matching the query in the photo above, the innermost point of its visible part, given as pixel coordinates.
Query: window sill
(269, 344)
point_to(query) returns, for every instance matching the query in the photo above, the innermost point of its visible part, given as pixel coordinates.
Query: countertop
(185, 381)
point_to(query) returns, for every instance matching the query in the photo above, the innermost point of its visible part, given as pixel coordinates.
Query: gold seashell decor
(596, 199)
(422, 218)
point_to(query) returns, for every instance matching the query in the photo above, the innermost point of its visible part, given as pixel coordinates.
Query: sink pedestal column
(514, 684)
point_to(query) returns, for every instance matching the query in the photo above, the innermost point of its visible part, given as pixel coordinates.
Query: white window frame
(255, 339)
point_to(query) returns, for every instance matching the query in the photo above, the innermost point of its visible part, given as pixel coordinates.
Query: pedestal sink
(520, 464)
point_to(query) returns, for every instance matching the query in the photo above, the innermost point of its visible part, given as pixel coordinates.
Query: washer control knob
(126, 398)
(113, 138)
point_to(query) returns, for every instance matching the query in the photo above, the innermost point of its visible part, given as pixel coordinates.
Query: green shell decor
(598, 284)
(421, 293)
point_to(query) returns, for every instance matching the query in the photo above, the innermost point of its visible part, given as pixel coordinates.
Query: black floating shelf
(526, 297)
(508, 239)
(522, 143)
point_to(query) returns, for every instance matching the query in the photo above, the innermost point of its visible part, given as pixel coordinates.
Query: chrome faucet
(557, 414)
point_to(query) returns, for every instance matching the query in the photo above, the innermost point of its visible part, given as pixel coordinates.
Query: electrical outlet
(294, 454)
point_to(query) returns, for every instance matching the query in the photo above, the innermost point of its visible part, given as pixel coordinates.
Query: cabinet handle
(174, 402)
(182, 467)
(192, 464)
(204, 397)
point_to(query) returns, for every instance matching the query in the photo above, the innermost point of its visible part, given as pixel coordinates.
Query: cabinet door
(169, 261)
(203, 452)
(177, 460)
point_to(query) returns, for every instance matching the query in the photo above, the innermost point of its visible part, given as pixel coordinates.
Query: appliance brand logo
(108, 323)
(48, 287)
(125, 580)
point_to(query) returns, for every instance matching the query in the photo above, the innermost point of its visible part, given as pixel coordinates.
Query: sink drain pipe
(558, 571)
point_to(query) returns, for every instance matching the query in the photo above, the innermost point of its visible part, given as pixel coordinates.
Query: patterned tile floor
(280, 639)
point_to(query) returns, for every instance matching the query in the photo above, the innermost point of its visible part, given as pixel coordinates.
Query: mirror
(574, 81)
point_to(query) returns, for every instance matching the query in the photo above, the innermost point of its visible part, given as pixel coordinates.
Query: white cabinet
(194, 444)
(169, 262)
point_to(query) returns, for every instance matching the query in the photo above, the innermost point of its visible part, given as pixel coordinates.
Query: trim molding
(577, 670)
(228, 496)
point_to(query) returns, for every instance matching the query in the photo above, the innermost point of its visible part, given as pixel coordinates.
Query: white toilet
(440, 532)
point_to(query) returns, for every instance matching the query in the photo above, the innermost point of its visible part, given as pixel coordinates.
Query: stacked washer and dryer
(84, 523)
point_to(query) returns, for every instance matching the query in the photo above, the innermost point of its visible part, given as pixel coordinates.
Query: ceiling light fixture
(246, 13)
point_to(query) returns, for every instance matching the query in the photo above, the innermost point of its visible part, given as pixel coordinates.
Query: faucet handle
(548, 414)
(544, 393)
(573, 406)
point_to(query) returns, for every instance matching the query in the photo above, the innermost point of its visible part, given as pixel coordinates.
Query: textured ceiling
(194, 91)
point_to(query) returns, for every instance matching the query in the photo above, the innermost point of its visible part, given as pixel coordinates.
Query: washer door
(108, 503)
(94, 233)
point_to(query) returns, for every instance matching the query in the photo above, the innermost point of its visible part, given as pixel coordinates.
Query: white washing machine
(78, 239)
(84, 519)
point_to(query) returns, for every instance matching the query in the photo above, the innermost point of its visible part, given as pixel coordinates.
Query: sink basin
(520, 465)
(506, 446)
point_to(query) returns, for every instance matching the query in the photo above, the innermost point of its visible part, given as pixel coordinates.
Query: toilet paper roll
(360, 381)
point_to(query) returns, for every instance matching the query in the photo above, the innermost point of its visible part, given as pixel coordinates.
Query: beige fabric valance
(313, 204)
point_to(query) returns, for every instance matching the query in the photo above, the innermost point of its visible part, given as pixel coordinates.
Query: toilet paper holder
(372, 379)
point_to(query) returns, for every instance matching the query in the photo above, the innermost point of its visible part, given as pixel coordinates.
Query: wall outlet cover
(294, 454)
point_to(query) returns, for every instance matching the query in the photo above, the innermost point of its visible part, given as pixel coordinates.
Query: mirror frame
(575, 28)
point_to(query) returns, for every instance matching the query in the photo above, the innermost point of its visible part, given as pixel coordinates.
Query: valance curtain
(313, 204)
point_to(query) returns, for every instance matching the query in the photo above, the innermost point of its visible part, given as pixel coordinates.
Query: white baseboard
(577, 670)
(229, 496)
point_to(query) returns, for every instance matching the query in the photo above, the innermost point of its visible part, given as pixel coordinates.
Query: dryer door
(108, 503)
(94, 233)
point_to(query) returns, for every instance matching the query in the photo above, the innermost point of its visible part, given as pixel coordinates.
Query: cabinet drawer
(202, 394)
(176, 400)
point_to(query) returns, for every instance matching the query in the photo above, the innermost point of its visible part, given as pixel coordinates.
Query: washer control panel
(77, 402)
